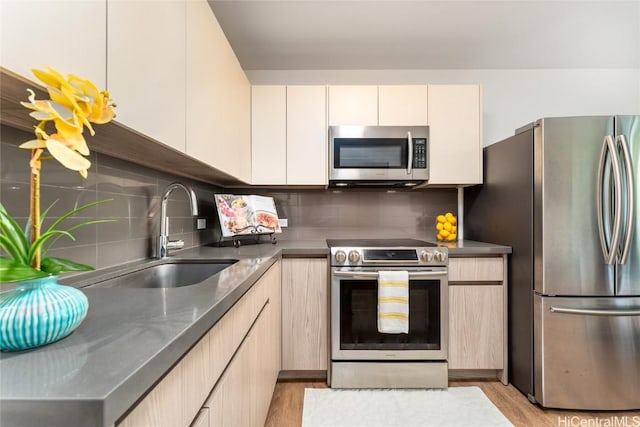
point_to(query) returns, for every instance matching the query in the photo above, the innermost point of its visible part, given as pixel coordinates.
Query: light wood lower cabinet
(162, 406)
(202, 420)
(304, 314)
(245, 345)
(476, 324)
(243, 394)
(477, 317)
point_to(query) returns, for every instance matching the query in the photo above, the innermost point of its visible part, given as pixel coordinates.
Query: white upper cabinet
(68, 36)
(404, 105)
(455, 143)
(307, 135)
(452, 112)
(146, 67)
(269, 135)
(289, 135)
(218, 113)
(389, 105)
(353, 105)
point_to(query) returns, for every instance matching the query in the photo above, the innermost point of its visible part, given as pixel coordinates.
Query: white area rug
(455, 407)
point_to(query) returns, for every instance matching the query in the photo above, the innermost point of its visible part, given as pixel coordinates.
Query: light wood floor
(286, 407)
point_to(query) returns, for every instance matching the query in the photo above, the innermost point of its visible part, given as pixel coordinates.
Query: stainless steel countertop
(132, 337)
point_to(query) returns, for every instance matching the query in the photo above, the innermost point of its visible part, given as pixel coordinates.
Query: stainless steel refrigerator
(565, 194)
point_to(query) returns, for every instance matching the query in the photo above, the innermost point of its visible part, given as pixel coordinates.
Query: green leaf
(76, 210)
(11, 271)
(58, 265)
(44, 214)
(35, 246)
(10, 248)
(15, 241)
(55, 239)
(27, 227)
(14, 234)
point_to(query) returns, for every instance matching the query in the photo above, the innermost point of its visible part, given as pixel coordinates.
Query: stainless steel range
(363, 357)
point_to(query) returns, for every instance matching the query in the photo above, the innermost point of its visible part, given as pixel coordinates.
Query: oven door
(354, 314)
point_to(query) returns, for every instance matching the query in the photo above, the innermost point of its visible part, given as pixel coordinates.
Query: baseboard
(454, 374)
(302, 375)
(463, 374)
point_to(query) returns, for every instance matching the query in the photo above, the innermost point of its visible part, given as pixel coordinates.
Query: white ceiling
(423, 34)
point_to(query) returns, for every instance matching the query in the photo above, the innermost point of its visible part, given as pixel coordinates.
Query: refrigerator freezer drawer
(587, 353)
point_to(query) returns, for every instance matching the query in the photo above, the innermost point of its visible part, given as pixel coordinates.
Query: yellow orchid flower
(34, 144)
(69, 157)
(74, 103)
(102, 110)
(63, 97)
(81, 105)
(84, 87)
(71, 130)
(51, 78)
(46, 110)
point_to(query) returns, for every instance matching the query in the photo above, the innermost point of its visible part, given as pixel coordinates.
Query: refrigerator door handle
(609, 250)
(596, 311)
(630, 187)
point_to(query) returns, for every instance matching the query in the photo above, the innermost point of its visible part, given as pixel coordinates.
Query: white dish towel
(393, 302)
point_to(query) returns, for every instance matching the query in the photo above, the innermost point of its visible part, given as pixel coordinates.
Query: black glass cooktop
(378, 243)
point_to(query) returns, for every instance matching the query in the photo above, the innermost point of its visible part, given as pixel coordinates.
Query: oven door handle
(373, 274)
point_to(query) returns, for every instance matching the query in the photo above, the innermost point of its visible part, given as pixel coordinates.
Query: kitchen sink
(167, 274)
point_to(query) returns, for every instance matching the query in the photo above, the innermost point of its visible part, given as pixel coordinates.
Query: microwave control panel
(420, 153)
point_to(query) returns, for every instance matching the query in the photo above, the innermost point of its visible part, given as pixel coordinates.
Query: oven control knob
(341, 257)
(426, 256)
(441, 256)
(354, 257)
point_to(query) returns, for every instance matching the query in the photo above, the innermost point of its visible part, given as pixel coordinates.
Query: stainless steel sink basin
(167, 274)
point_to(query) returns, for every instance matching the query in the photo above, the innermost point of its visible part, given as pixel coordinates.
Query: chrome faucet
(164, 244)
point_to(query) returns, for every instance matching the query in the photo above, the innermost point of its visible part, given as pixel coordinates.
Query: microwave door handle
(410, 156)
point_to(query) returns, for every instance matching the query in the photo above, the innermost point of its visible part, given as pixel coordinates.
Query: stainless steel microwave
(378, 155)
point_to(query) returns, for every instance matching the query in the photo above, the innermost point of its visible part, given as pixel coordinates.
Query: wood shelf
(113, 139)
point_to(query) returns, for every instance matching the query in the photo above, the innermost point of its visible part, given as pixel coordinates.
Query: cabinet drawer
(476, 269)
(228, 333)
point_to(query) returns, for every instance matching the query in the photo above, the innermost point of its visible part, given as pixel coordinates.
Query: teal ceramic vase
(39, 312)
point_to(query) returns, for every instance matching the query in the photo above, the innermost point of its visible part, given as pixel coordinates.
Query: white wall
(511, 98)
